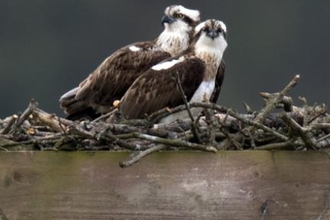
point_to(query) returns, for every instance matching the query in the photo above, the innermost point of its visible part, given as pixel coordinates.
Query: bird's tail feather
(76, 109)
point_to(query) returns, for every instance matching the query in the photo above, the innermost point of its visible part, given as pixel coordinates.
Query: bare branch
(137, 156)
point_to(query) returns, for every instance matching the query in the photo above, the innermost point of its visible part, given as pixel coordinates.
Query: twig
(257, 125)
(194, 128)
(247, 108)
(51, 120)
(323, 138)
(156, 116)
(210, 122)
(300, 131)
(286, 100)
(271, 103)
(276, 146)
(61, 125)
(317, 115)
(135, 157)
(115, 140)
(102, 117)
(175, 142)
(9, 125)
(32, 106)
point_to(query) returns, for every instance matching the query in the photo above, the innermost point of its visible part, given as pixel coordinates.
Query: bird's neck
(173, 42)
(212, 59)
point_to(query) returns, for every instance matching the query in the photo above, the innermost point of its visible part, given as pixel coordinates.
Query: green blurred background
(48, 46)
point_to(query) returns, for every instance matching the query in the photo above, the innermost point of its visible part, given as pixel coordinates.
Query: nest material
(278, 125)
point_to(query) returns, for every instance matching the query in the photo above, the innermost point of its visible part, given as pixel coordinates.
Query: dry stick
(317, 116)
(194, 128)
(123, 144)
(323, 143)
(258, 125)
(300, 131)
(42, 140)
(248, 109)
(102, 117)
(210, 121)
(275, 146)
(286, 100)
(156, 116)
(4, 149)
(219, 108)
(32, 106)
(271, 103)
(57, 124)
(135, 157)
(61, 125)
(9, 125)
(166, 141)
(174, 142)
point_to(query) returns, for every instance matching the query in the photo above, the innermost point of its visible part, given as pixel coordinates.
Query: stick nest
(278, 125)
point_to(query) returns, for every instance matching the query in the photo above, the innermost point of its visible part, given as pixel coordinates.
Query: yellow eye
(178, 15)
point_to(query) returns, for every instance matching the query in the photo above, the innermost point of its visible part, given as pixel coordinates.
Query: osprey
(115, 75)
(197, 68)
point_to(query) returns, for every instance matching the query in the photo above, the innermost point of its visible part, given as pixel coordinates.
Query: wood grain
(168, 185)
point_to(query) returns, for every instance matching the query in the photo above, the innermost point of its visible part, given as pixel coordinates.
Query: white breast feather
(205, 89)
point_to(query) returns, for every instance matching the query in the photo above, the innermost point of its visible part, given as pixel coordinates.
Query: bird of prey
(197, 70)
(109, 82)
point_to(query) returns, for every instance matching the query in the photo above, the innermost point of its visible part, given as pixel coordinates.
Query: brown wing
(155, 90)
(113, 77)
(218, 82)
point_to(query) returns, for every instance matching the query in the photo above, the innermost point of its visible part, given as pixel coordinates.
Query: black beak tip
(167, 19)
(212, 34)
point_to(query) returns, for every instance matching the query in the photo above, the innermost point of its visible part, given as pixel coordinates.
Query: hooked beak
(212, 34)
(167, 19)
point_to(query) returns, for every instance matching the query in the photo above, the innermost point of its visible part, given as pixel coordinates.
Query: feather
(115, 75)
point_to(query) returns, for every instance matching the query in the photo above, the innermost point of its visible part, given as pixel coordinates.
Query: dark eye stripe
(188, 20)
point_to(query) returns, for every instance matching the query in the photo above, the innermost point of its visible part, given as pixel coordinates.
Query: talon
(116, 103)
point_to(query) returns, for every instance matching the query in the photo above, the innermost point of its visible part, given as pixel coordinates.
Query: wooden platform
(172, 185)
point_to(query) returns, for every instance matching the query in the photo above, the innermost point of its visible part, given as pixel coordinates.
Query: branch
(175, 142)
(32, 106)
(276, 146)
(135, 157)
(194, 128)
(55, 123)
(271, 103)
(157, 116)
(9, 125)
(310, 144)
(257, 125)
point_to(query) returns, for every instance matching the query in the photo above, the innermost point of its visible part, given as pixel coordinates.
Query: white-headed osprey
(115, 75)
(197, 68)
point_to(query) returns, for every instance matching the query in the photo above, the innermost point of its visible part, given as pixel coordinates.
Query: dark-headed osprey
(197, 69)
(115, 75)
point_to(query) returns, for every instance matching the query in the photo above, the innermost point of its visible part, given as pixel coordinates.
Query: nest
(279, 125)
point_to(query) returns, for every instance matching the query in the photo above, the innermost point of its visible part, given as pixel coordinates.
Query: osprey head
(179, 23)
(178, 17)
(211, 34)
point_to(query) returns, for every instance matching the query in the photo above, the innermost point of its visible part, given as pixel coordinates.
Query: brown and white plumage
(218, 82)
(113, 77)
(197, 69)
